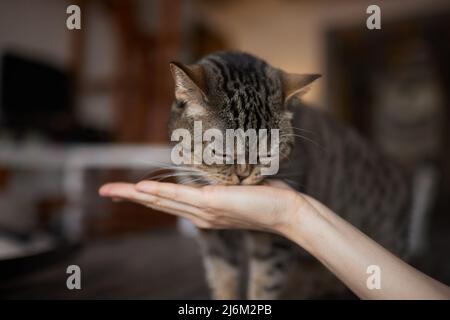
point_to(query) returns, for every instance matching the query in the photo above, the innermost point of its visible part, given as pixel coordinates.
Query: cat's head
(233, 90)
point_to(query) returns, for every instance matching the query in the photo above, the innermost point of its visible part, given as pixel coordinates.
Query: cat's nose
(242, 171)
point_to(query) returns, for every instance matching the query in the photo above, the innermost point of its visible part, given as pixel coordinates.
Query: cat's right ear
(189, 81)
(296, 84)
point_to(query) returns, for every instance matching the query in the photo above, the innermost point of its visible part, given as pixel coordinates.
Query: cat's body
(318, 157)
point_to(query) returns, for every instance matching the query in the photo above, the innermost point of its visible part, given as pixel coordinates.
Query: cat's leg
(271, 258)
(221, 256)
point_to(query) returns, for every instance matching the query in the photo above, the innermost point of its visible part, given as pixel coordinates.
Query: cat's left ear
(189, 81)
(296, 85)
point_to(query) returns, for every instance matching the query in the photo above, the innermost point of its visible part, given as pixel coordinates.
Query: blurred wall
(289, 34)
(35, 27)
(38, 30)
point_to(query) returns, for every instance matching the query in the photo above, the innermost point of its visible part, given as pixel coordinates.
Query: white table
(74, 161)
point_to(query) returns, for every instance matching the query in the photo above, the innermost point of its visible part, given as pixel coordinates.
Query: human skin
(274, 207)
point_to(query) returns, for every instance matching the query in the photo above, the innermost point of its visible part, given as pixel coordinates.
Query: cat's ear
(296, 84)
(189, 81)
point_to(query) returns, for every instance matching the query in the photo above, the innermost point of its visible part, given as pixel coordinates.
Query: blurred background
(82, 107)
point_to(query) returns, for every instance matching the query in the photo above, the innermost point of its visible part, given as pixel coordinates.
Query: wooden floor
(161, 265)
(156, 265)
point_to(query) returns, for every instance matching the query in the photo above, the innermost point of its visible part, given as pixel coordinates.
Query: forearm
(347, 252)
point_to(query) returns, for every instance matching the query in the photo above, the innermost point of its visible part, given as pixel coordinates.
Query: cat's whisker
(175, 174)
(187, 182)
(302, 137)
(150, 175)
(303, 130)
(155, 163)
(163, 165)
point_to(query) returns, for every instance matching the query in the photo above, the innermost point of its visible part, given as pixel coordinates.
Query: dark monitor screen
(33, 94)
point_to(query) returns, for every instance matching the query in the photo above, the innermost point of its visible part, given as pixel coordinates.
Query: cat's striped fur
(231, 90)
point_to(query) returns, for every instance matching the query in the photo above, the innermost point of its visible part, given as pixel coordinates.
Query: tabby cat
(318, 156)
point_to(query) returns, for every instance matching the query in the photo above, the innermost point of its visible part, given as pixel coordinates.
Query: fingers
(128, 192)
(231, 198)
(208, 197)
(180, 193)
(124, 191)
(201, 218)
(209, 206)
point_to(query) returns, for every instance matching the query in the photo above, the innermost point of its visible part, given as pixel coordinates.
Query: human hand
(266, 207)
(342, 248)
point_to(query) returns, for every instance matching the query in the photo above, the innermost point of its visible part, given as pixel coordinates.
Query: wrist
(298, 226)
